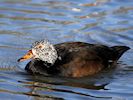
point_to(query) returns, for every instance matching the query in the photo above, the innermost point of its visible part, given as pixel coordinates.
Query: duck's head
(42, 50)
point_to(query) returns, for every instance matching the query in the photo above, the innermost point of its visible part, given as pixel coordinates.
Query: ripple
(96, 21)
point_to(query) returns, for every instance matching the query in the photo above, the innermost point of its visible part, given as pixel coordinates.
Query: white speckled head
(44, 51)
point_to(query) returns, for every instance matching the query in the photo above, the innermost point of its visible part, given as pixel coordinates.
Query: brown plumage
(77, 59)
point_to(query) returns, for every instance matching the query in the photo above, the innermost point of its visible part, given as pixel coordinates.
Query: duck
(70, 59)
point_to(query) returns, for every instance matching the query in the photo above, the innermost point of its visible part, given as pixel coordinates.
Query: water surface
(22, 22)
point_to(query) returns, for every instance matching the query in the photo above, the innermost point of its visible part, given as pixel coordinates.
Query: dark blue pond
(22, 22)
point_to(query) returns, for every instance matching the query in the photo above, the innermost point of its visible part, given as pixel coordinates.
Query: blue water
(22, 22)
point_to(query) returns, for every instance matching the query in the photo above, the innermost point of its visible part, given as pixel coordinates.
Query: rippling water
(22, 22)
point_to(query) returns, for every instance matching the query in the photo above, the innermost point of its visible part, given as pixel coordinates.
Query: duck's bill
(27, 56)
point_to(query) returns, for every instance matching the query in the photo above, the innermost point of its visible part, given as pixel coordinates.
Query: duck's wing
(79, 59)
(90, 51)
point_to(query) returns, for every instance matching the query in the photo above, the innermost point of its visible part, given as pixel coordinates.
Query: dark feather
(78, 59)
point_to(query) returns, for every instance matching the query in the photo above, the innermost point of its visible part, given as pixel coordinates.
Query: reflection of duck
(71, 59)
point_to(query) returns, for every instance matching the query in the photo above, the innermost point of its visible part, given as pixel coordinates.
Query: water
(22, 22)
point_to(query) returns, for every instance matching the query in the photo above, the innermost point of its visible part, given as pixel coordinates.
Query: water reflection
(97, 21)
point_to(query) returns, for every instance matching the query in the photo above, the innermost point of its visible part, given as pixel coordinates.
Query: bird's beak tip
(19, 60)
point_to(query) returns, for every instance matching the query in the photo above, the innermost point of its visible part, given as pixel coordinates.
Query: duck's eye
(40, 47)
